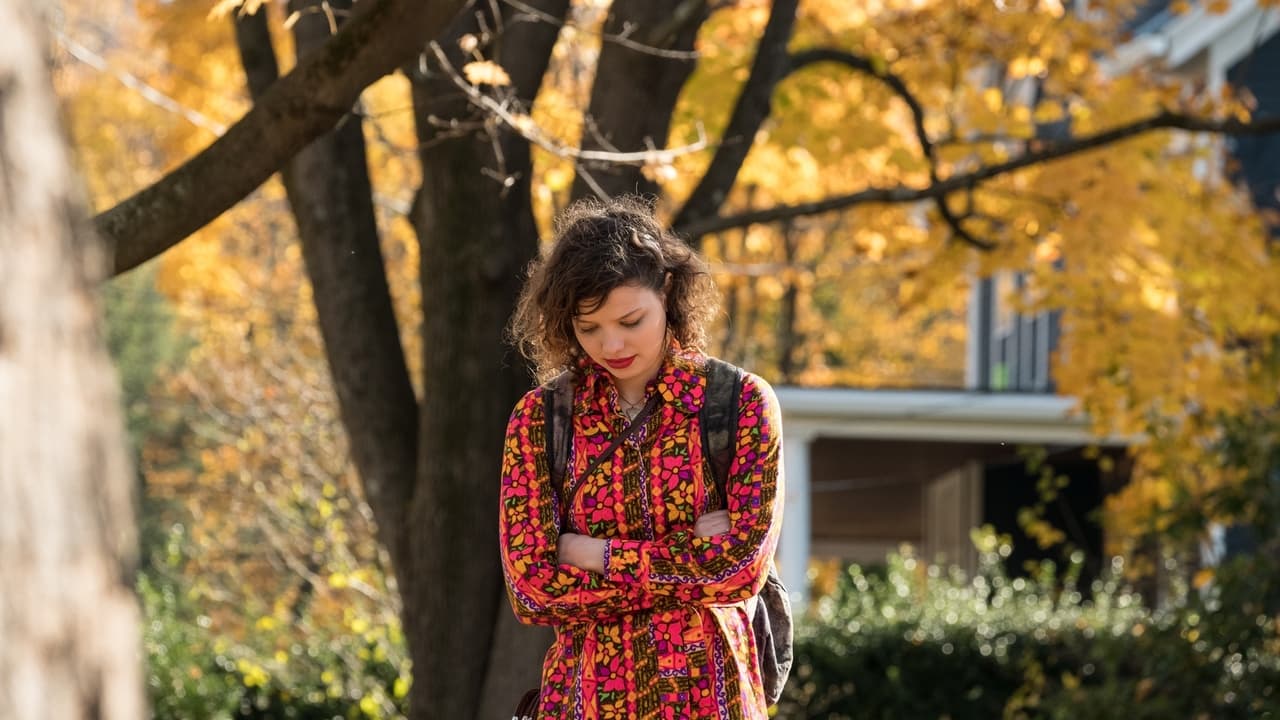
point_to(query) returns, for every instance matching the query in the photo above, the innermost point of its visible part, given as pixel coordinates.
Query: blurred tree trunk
(69, 640)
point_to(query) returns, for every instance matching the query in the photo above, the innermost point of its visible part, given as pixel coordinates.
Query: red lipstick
(620, 364)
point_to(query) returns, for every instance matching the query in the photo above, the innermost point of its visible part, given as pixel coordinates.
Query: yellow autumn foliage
(268, 500)
(1160, 268)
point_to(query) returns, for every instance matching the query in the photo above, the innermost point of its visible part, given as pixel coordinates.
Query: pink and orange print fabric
(664, 633)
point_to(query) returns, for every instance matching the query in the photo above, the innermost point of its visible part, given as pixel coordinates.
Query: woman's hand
(712, 524)
(581, 551)
(587, 553)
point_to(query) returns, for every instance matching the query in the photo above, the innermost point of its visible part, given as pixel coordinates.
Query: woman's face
(626, 334)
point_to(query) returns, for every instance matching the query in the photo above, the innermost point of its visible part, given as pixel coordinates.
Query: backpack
(771, 608)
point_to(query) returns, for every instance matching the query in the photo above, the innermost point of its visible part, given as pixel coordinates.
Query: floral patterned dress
(664, 632)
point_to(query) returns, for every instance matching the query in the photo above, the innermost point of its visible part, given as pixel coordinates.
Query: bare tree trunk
(730, 253)
(475, 222)
(69, 638)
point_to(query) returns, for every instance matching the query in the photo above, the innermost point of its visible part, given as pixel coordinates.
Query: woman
(647, 583)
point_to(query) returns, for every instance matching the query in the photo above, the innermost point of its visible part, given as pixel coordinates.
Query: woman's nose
(612, 343)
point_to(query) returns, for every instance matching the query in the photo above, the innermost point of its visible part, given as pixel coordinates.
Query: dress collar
(681, 381)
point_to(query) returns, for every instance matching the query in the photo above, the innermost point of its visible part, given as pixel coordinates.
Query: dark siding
(1258, 157)
(1014, 349)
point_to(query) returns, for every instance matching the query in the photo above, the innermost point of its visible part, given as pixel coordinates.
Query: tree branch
(301, 106)
(941, 188)
(754, 105)
(622, 39)
(880, 72)
(634, 92)
(518, 121)
(805, 58)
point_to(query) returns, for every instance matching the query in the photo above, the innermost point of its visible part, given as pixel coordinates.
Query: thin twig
(590, 180)
(147, 91)
(330, 15)
(620, 39)
(523, 126)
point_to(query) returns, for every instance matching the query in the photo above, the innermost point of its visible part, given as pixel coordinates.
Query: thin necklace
(630, 409)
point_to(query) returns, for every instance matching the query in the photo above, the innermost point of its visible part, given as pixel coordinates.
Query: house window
(1011, 350)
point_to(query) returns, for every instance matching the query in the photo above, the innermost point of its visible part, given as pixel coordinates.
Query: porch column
(793, 547)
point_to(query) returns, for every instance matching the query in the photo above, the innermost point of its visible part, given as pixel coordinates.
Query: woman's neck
(632, 389)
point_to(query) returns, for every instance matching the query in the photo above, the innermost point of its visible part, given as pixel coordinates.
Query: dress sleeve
(725, 568)
(543, 591)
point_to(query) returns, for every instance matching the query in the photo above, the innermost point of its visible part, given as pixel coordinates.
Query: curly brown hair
(600, 245)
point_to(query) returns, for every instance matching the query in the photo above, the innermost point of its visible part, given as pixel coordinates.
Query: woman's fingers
(713, 523)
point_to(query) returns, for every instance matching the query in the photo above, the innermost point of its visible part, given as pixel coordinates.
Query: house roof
(936, 415)
(1180, 39)
(1150, 16)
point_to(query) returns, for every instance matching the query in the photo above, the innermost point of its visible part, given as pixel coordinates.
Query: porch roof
(938, 415)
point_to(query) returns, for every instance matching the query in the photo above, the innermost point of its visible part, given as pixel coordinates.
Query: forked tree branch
(899, 87)
(753, 106)
(942, 187)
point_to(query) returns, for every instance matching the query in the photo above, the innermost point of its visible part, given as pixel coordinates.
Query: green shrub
(915, 643)
(193, 674)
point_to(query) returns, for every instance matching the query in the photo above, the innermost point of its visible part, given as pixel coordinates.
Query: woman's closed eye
(585, 330)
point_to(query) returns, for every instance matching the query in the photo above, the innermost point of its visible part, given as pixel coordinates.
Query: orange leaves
(1027, 66)
(1152, 312)
(269, 499)
(1049, 249)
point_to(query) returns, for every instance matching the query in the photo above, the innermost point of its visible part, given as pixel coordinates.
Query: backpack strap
(719, 419)
(557, 398)
(557, 408)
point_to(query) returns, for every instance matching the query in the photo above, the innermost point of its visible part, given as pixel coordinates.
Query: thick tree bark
(478, 235)
(328, 188)
(332, 200)
(309, 101)
(69, 637)
(635, 89)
